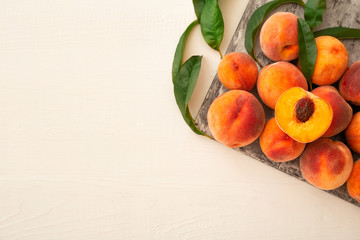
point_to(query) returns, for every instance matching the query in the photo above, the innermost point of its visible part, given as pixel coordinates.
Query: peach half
(238, 70)
(276, 78)
(342, 111)
(302, 115)
(349, 86)
(236, 118)
(326, 164)
(353, 183)
(277, 145)
(352, 133)
(279, 37)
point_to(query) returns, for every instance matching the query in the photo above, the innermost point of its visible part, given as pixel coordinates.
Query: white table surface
(93, 146)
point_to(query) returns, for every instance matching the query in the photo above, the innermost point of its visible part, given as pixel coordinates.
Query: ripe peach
(349, 86)
(236, 118)
(302, 115)
(353, 183)
(326, 164)
(279, 37)
(238, 70)
(331, 62)
(342, 111)
(277, 145)
(352, 133)
(276, 78)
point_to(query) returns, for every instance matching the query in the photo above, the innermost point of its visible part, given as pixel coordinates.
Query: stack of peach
(237, 118)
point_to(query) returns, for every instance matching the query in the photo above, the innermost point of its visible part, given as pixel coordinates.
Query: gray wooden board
(344, 13)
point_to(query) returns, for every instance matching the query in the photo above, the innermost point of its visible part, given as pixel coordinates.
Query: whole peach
(326, 164)
(236, 118)
(277, 145)
(331, 62)
(238, 70)
(342, 111)
(279, 37)
(352, 133)
(353, 183)
(349, 85)
(276, 78)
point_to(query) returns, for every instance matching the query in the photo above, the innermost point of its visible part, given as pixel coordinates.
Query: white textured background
(93, 147)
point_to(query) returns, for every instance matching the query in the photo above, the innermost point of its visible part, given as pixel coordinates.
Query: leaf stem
(221, 56)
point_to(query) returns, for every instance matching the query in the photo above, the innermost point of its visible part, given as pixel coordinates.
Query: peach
(326, 164)
(342, 111)
(236, 118)
(352, 133)
(238, 70)
(279, 37)
(276, 78)
(331, 62)
(349, 85)
(302, 115)
(353, 183)
(277, 145)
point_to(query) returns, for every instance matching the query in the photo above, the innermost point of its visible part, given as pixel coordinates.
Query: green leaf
(257, 18)
(307, 50)
(313, 12)
(212, 24)
(184, 85)
(179, 52)
(198, 7)
(339, 32)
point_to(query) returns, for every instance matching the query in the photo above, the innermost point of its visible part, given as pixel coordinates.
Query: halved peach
(302, 115)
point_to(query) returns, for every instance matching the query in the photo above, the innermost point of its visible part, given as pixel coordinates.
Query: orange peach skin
(353, 183)
(349, 86)
(236, 118)
(342, 111)
(276, 78)
(279, 37)
(326, 164)
(331, 62)
(238, 70)
(352, 133)
(277, 145)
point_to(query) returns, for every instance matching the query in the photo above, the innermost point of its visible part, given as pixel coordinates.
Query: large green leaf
(198, 7)
(307, 50)
(313, 12)
(339, 32)
(179, 52)
(257, 18)
(184, 85)
(212, 24)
